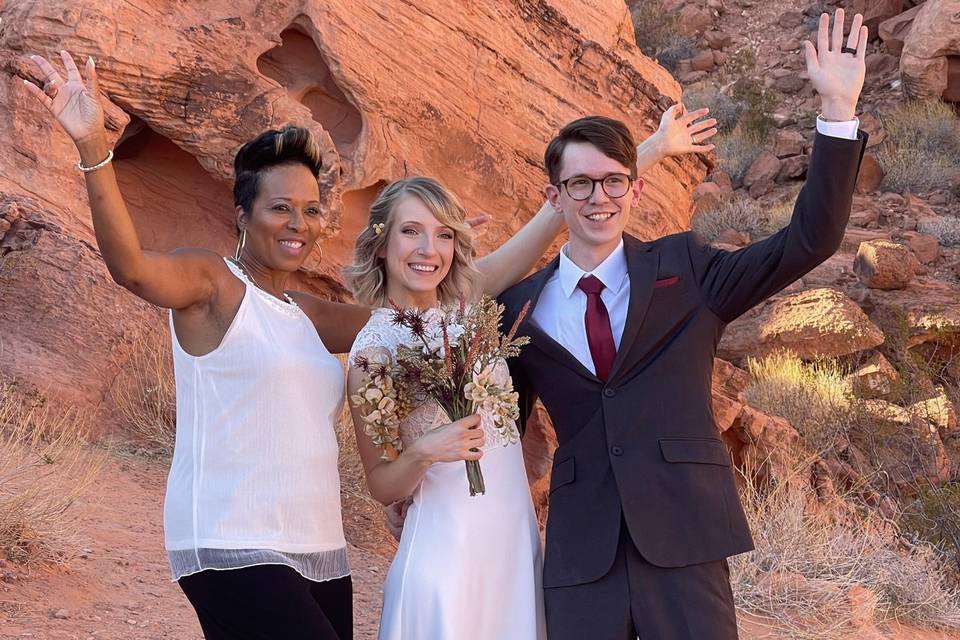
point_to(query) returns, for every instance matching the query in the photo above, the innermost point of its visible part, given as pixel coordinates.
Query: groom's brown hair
(610, 136)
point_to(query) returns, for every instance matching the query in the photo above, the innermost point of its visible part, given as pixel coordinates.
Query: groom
(643, 505)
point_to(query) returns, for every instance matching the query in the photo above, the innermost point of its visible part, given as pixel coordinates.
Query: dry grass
(815, 398)
(722, 107)
(922, 151)
(45, 465)
(743, 214)
(736, 151)
(145, 396)
(809, 556)
(658, 33)
(810, 553)
(945, 228)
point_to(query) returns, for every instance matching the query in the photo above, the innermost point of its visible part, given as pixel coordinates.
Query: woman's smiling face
(418, 254)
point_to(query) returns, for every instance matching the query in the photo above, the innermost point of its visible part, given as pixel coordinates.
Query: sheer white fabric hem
(318, 567)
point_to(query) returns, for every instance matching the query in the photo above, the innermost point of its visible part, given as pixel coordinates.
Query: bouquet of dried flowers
(456, 357)
(382, 403)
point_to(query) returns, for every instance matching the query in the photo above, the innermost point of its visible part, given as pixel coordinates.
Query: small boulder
(694, 20)
(783, 119)
(871, 174)
(790, 19)
(707, 196)
(876, 378)
(765, 167)
(793, 167)
(893, 32)
(877, 11)
(873, 127)
(717, 39)
(703, 61)
(789, 143)
(881, 264)
(938, 411)
(924, 245)
(722, 178)
(880, 64)
(813, 323)
(790, 84)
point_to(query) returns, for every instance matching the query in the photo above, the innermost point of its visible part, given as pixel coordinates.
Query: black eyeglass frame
(593, 186)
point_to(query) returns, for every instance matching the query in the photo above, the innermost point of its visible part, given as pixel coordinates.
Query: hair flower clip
(378, 228)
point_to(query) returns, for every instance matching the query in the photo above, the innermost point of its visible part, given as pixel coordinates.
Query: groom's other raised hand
(837, 68)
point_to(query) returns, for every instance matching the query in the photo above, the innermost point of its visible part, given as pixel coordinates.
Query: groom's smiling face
(598, 221)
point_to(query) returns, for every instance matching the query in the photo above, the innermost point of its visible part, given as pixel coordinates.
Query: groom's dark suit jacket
(644, 446)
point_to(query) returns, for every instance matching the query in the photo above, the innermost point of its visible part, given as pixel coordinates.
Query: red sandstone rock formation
(930, 64)
(468, 93)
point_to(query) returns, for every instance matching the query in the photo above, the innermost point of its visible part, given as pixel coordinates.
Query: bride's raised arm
(680, 132)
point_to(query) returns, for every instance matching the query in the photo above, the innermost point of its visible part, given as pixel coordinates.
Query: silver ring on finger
(51, 89)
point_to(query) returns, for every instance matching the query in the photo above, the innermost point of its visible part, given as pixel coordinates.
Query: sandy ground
(119, 587)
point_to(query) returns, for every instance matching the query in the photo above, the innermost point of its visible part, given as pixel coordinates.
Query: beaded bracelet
(99, 165)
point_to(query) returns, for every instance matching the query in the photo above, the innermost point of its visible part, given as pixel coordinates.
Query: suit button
(609, 392)
(617, 451)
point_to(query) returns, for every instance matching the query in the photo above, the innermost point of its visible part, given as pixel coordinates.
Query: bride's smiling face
(418, 254)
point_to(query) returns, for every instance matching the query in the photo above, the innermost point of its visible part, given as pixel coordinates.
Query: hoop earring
(240, 244)
(319, 248)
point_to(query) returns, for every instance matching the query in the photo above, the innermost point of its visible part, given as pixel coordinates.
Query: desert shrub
(721, 105)
(934, 516)
(808, 557)
(755, 104)
(945, 228)
(144, 394)
(45, 465)
(814, 397)
(922, 149)
(736, 151)
(742, 214)
(658, 33)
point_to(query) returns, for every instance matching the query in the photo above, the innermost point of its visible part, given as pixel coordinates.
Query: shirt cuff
(847, 129)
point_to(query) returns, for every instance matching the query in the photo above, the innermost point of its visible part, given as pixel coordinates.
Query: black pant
(269, 602)
(637, 598)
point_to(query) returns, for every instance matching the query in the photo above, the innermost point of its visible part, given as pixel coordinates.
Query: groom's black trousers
(636, 598)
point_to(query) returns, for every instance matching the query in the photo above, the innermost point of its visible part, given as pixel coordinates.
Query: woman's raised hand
(460, 440)
(75, 106)
(684, 132)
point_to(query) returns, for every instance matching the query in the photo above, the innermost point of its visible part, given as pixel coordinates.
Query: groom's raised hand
(837, 69)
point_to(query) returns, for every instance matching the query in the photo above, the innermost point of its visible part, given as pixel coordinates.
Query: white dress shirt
(562, 306)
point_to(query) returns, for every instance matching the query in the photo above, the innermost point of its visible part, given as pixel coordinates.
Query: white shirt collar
(612, 272)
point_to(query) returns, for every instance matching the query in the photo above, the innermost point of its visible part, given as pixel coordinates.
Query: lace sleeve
(378, 337)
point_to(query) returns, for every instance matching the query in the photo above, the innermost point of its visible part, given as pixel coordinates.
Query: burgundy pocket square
(666, 282)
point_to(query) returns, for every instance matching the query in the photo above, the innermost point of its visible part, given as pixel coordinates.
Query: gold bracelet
(99, 165)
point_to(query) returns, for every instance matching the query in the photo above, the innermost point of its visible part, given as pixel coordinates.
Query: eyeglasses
(615, 185)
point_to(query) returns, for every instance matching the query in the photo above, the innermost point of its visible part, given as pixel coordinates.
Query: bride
(466, 567)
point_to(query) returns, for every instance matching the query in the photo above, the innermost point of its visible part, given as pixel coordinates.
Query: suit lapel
(642, 266)
(539, 338)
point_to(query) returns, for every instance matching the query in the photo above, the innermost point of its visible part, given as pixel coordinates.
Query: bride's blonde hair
(367, 276)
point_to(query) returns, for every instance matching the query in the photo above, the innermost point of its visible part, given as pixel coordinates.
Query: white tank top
(254, 477)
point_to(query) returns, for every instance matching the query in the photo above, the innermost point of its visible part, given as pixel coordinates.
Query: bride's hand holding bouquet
(456, 358)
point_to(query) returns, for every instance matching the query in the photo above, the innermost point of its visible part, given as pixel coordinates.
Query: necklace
(286, 296)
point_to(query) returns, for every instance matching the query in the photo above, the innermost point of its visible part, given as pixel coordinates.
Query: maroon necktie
(599, 335)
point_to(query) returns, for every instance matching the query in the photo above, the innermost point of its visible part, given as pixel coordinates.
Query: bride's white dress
(467, 567)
